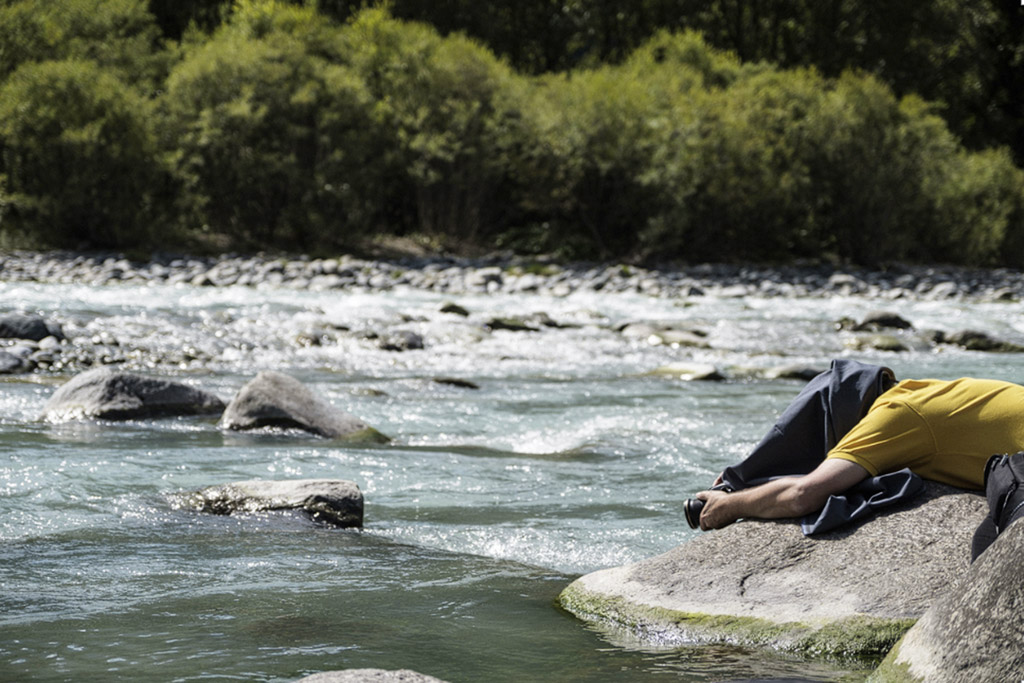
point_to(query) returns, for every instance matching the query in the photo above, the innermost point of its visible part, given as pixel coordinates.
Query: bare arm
(786, 497)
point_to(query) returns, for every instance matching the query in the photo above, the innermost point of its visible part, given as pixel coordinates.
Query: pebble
(515, 275)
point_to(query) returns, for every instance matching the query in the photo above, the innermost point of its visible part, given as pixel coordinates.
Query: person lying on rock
(945, 431)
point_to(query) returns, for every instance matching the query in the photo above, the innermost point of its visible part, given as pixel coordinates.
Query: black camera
(692, 508)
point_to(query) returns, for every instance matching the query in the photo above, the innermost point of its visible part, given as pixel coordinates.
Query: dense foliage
(267, 123)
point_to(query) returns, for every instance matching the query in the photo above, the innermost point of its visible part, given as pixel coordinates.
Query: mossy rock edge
(849, 637)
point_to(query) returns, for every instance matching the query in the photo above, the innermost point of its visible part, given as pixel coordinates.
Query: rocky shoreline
(513, 275)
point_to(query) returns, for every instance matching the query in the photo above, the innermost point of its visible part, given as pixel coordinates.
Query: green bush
(452, 114)
(117, 34)
(78, 161)
(272, 144)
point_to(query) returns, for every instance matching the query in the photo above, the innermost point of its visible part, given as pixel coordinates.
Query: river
(567, 457)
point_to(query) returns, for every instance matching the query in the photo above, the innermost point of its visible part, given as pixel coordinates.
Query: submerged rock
(114, 395)
(370, 676)
(971, 632)
(853, 591)
(882, 320)
(689, 372)
(334, 501)
(273, 399)
(972, 340)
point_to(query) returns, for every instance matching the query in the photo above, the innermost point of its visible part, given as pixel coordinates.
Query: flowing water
(568, 457)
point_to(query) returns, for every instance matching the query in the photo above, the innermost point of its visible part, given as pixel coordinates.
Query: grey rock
(801, 372)
(17, 326)
(881, 320)
(370, 676)
(273, 399)
(972, 340)
(690, 372)
(853, 591)
(454, 309)
(110, 394)
(511, 324)
(973, 631)
(333, 501)
(401, 340)
(11, 364)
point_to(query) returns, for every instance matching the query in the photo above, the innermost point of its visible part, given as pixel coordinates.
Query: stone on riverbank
(273, 399)
(113, 395)
(333, 501)
(369, 676)
(853, 591)
(973, 631)
(16, 326)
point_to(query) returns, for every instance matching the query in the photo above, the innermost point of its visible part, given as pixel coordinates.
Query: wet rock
(971, 632)
(401, 340)
(17, 326)
(881, 320)
(455, 382)
(690, 372)
(454, 309)
(676, 338)
(333, 501)
(800, 372)
(972, 340)
(511, 324)
(11, 364)
(370, 676)
(273, 399)
(853, 591)
(882, 342)
(110, 394)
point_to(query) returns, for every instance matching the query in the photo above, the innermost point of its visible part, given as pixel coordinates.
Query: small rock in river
(454, 309)
(402, 340)
(880, 320)
(16, 326)
(335, 501)
(973, 340)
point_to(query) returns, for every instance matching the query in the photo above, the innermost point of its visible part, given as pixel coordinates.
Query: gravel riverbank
(513, 275)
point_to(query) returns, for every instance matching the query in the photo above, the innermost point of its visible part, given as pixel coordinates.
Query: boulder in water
(853, 591)
(334, 501)
(972, 632)
(110, 394)
(273, 399)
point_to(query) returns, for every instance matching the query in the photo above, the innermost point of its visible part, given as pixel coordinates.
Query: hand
(716, 513)
(718, 480)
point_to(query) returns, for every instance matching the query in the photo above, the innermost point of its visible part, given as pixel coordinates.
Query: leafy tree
(77, 156)
(119, 35)
(273, 142)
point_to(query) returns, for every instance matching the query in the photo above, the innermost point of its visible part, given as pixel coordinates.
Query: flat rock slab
(974, 631)
(370, 676)
(113, 395)
(273, 399)
(334, 501)
(851, 592)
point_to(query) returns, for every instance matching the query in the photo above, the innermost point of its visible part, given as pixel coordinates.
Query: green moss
(852, 637)
(891, 671)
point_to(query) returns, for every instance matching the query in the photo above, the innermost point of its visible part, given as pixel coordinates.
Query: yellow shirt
(942, 430)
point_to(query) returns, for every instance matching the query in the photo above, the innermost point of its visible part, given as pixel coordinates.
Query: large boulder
(110, 394)
(273, 399)
(973, 632)
(853, 591)
(334, 501)
(370, 676)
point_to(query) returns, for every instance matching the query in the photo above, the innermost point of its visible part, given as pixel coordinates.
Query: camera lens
(692, 508)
